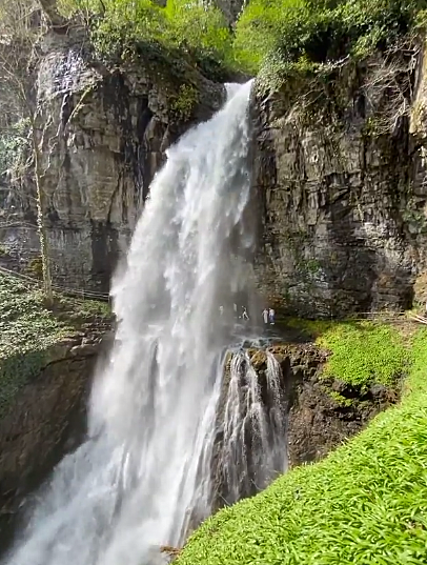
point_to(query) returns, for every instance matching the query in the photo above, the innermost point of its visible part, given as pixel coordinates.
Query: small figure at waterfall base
(265, 315)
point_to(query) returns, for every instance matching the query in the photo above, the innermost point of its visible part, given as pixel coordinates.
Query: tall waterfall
(144, 472)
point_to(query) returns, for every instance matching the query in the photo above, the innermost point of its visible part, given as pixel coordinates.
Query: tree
(17, 94)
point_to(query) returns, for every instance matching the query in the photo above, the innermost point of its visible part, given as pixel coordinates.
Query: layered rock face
(104, 131)
(46, 421)
(341, 170)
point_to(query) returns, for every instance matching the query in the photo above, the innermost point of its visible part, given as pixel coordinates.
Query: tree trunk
(53, 17)
(44, 244)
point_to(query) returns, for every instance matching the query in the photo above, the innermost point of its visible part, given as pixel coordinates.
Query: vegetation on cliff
(28, 330)
(363, 353)
(365, 503)
(274, 35)
(308, 32)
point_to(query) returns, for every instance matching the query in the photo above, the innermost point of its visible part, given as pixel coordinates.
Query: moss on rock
(30, 331)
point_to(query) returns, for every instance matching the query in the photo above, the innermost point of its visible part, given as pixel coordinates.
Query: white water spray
(145, 468)
(251, 449)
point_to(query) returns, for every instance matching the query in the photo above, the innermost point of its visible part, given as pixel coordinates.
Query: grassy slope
(364, 352)
(366, 503)
(28, 329)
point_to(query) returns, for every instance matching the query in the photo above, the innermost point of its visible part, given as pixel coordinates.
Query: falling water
(145, 470)
(251, 447)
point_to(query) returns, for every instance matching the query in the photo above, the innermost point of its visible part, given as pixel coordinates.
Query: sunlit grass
(366, 503)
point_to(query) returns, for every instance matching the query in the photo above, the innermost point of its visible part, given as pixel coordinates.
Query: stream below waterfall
(178, 416)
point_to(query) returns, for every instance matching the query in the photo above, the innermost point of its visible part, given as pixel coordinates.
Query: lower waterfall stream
(160, 412)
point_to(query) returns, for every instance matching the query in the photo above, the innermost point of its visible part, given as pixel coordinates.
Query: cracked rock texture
(104, 130)
(341, 170)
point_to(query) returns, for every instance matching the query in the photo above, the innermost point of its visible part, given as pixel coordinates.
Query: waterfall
(144, 472)
(251, 448)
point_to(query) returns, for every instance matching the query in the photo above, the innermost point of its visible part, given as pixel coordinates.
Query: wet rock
(85, 350)
(320, 413)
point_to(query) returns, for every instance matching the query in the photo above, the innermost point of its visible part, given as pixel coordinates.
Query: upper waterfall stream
(144, 474)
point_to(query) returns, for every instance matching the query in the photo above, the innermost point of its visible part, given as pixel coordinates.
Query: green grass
(363, 353)
(365, 504)
(28, 329)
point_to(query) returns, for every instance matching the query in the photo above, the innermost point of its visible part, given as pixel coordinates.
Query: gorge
(183, 190)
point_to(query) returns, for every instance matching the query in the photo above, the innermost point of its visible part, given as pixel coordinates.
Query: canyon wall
(341, 170)
(103, 131)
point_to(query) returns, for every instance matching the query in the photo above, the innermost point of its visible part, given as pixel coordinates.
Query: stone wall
(45, 421)
(341, 170)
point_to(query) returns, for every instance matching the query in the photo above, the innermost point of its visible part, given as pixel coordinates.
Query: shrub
(196, 28)
(317, 32)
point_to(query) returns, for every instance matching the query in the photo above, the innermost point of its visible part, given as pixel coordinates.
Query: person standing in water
(265, 315)
(272, 316)
(244, 313)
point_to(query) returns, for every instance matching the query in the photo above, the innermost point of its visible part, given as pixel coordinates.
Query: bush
(196, 28)
(317, 32)
(278, 33)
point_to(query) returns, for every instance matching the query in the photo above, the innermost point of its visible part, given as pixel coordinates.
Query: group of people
(269, 316)
(243, 315)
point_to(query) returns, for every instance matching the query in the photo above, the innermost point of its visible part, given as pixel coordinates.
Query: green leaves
(366, 503)
(28, 329)
(319, 31)
(364, 353)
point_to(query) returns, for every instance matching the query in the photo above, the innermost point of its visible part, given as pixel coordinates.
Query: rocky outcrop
(318, 414)
(321, 412)
(324, 413)
(230, 8)
(46, 421)
(103, 131)
(341, 170)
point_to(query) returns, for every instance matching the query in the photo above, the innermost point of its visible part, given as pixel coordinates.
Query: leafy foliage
(309, 33)
(184, 103)
(196, 28)
(28, 330)
(274, 36)
(366, 503)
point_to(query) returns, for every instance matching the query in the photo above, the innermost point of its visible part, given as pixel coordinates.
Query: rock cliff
(104, 130)
(320, 412)
(46, 421)
(339, 168)
(342, 174)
